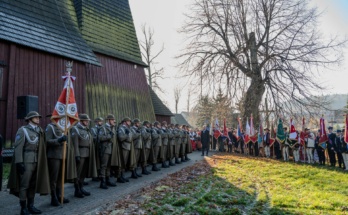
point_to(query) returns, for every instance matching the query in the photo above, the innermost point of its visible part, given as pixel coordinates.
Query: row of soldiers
(95, 152)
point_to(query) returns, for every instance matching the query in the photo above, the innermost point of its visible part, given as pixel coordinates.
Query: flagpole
(69, 68)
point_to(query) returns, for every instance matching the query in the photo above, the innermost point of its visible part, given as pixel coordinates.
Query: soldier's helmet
(98, 119)
(32, 114)
(126, 119)
(164, 123)
(110, 116)
(146, 122)
(84, 116)
(136, 120)
(156, 123)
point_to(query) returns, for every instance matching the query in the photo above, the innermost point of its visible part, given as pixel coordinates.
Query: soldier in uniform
(125, 136)
(29, 171)
(177, 136)
(84, 154)
(138, 144)
(205, 138)
(156, 144)
(146, 136)
(105, 148)
(183, 143)
(171, 144)
(54, 140)
(320, 150)
(188, 144)
(331, 147)
(95, 133)
(165, 143)
(340, 148)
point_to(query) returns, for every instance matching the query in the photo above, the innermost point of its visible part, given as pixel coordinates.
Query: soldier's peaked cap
(84, 116)
(156, 123)
(126, 119)
(98, 119)
(146, 122)
(164, 122)
(330, 127)
(136, 120)
(339, 131)
(32, 114)
(110, 116)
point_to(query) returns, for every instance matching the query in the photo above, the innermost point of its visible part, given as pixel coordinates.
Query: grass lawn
(228, 184)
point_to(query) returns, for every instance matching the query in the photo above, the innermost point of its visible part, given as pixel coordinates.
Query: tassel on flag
(65, 112)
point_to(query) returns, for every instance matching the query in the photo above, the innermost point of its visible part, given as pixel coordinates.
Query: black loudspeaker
(25, 104)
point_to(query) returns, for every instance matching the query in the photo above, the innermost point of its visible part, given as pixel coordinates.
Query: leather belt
(87, 147)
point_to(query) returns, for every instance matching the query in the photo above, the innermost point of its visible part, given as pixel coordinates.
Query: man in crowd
(146, 135)
(320, 149)
(331, 146)
(138, 144)
(340, 148)
(267, 142)
(205, 138)
(156, 144)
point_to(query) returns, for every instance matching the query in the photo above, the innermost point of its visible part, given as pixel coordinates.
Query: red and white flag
(225, 129)
(253, 136)
(303, 134)
(65, 112)
(323, 137)
(293, 133)
(247, 132)
(217, 132)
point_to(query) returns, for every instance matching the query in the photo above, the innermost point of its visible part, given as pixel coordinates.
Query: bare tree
(177, 92)
(188, 99)
(256, 47)
(150, 56)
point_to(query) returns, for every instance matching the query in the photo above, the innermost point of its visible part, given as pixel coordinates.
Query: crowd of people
(102, 151)
(308, 149)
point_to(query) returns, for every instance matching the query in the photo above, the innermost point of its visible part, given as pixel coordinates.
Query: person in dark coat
(230, 141)
(320, 150)
(331, 147)
(340, 148)
(205, 139)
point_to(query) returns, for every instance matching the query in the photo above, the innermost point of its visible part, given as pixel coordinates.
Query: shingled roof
(48, 25)
(158, 106)
(107, 26)
(179, 119)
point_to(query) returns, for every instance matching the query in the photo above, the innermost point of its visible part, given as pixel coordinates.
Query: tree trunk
(253, 98)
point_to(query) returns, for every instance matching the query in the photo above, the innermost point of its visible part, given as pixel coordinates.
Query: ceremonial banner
(293, 136)
(247, 132)
(272, 134)
(280, 132)
(217, 132)
(225, 129)
(323, 137)
(253, 137)
(303, 134)
(65, 112)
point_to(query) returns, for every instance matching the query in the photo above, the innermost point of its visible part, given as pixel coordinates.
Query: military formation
(100, 152)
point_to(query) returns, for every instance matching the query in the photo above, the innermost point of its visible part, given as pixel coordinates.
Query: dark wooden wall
(117, 87)
(161, 118)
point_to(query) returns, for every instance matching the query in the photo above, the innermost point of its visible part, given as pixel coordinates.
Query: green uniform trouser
(137, 155)
(177, 150)
(126, 154)
(55, 171)
(147, 154)
(165, 152)
(82, 169)
(104, 165)
(155, 152)
(27, 182)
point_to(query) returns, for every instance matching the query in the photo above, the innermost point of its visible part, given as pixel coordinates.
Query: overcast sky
(166, 17)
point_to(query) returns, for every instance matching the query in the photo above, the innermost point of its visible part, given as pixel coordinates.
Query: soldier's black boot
(24, 209)
(134, 175)
(171, 163)
(186, 158)
(120, 180)
(83, 191)
(110, 183)
(31, 208)
(124, 178)
(54, 199)
(183, 159)
(78, 192)
(139, 175)
(177, 161)
(155, 168)
(103, 183)
(144, 171)
(58, 192)
(164, 165)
